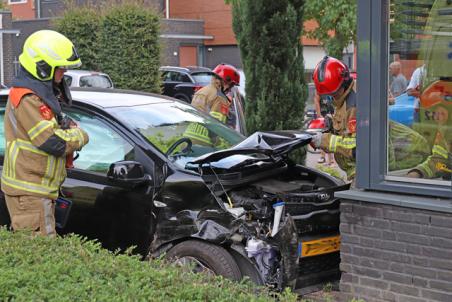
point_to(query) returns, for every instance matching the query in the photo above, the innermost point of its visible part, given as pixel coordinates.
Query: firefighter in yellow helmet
(38, 135)
(212, 100)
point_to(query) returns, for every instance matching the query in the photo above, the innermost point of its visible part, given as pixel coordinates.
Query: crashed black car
(236, 207)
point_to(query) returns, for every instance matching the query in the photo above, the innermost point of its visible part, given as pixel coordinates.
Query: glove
(316, 140)
(414, 174)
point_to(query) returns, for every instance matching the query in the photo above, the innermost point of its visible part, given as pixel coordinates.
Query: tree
(268, 34)
(336, 23)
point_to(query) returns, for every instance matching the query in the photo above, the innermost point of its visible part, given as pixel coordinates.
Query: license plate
(320, 246)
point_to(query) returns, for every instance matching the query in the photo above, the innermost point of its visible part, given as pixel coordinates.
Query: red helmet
(228, 73)
(330, 75)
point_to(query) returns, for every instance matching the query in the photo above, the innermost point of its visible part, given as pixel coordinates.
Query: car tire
(183, 98)
(214, 257)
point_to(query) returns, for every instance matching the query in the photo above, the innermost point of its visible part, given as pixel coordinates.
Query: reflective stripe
(198, 132)
(12, 119)
(219, 116)
(50, 171)
(52, 176)
(346, 142)
(30, 187)
(426, 169)
(332, 145)
(39, 128)
(71, 135)
(440, 151)
(48, 216)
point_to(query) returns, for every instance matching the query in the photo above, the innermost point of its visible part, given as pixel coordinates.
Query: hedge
(74, 269)
(122, 40)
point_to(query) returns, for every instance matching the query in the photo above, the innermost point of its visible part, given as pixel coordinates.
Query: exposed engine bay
(279, 220)
(281, 217)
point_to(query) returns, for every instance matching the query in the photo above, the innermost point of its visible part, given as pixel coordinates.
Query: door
(117, 217)
(188, 56)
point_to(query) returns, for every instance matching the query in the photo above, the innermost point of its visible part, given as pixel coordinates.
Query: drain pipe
(167, 9)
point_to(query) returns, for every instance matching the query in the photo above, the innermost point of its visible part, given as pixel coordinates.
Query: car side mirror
(127, 174)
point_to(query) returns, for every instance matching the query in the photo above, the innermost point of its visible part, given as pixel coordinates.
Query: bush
(82, 26)
(120, 39)
(71, 268)
(130, 47)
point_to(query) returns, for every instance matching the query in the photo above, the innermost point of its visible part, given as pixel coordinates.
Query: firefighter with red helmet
(332, 78)
(212, 100)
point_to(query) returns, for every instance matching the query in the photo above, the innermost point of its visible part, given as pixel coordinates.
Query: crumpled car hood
(274, 143)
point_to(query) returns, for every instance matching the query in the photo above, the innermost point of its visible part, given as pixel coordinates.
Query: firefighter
(38, 135)
(212, 100)
(438, 163)
(332, 78)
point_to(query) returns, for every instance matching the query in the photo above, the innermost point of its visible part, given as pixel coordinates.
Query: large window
(419, 124)
(404, 64)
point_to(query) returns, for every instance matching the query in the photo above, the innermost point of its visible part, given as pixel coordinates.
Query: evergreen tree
(268, 34)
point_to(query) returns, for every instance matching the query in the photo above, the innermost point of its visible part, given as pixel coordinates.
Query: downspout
(2, 73)
(167, 10)
(38, 9)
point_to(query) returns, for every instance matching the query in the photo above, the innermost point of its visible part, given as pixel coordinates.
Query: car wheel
(182, 98)
(205, 257)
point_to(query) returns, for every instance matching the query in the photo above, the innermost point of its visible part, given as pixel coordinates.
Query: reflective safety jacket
(36, 147)
(342, 140)
(438, 163)
(211, 100)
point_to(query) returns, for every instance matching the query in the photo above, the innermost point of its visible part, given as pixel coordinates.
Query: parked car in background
(234, 206)
(85, 78)
(182, 82)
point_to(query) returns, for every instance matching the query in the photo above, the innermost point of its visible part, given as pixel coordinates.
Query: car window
(99, 81)
(163, 124)
(68, 80)
(184, 78)
(105, 145)
(202, 77)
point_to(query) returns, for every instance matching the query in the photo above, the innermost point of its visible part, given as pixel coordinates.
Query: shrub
(121, 39)
(82, 26)
(130, 51)
(74, 269)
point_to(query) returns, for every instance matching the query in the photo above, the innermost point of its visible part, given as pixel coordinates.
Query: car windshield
(164, 124)
(202, 77)
(98, 81)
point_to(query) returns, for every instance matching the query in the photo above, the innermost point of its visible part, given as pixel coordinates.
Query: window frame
(372, 58)
(17, 2)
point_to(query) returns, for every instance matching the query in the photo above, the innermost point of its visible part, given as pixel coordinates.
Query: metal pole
(38, 9)
(167, 9)
(2, 78)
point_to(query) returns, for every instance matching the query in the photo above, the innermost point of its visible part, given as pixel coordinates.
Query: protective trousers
(32, 213)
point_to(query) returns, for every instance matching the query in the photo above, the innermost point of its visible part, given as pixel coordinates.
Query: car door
(117, 217)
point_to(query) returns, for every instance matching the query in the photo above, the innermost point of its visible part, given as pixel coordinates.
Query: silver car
(85, 78)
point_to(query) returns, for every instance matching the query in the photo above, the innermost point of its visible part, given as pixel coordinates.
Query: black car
(237, 207)
(181, 83)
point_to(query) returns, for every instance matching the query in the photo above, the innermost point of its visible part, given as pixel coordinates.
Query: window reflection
(420, 89)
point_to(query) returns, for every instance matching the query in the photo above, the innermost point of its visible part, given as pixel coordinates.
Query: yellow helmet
(45, 50)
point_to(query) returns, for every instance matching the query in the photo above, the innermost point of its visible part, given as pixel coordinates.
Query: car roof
(188, 69)
(108, 98)
(83, 72)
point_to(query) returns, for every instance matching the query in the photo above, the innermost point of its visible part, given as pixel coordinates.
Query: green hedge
(73, 269)
(82, 25)
(120, 39)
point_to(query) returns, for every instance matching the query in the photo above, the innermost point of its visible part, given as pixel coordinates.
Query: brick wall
(390, 253)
